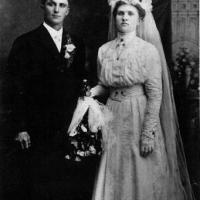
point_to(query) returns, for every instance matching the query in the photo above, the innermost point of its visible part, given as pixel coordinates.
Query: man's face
(127, 18)
(55, 12)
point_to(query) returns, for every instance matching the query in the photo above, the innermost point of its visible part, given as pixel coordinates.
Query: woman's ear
(138, 26)
(138, 21)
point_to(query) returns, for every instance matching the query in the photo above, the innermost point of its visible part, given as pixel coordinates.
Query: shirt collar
(52, 31)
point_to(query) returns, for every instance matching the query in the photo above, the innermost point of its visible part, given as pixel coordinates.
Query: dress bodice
(128, 63)
(125, 62)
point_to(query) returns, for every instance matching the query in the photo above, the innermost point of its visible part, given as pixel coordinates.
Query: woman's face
(126, 18)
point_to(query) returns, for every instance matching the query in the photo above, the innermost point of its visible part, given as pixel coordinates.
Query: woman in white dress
(141, 155)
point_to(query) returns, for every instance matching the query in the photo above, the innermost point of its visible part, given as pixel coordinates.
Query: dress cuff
(148, 134)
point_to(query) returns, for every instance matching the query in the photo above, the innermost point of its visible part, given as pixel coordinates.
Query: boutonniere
(69, 48)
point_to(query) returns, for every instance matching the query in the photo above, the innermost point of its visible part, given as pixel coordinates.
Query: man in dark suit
(45, 70)
(46, 66)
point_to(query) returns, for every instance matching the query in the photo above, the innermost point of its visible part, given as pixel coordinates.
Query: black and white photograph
(99, 100)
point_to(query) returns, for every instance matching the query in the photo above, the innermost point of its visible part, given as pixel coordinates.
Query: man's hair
(141, 11)
(43, 1)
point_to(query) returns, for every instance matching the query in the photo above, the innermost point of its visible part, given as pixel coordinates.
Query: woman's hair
(141, 11)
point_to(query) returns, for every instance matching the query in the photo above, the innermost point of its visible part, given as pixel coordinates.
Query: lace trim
(149, 134)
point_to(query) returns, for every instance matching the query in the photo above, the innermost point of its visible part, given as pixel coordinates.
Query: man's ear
(67, 12)
(42, 5)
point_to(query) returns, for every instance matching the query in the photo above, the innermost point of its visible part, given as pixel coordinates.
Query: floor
(52, 177)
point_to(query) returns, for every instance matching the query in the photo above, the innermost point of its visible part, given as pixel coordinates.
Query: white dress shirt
(56, 35)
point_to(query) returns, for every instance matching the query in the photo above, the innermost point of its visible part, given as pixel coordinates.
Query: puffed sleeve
(153, 89)
(99, 61)
(99, 89)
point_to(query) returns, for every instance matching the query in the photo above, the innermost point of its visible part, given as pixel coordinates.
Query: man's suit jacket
(42, 87)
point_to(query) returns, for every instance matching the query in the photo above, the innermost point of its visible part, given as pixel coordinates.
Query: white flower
(175, 68)
(83, 128)
(70, 47)
(87, 153)
(67, 56)
(77, 159)
(75, 143)
(188, 70)
(92, 149)
(94, 128)
(67, 157)
(192, 63)
(80, 153)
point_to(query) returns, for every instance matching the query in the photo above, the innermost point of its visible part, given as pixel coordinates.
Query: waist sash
(120, 94)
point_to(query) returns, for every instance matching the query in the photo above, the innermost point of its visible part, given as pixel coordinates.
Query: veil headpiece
(146, 23)
(147, 30)
(144, 4)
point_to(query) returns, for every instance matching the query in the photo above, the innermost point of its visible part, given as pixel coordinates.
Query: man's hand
(24, 139)
(146, 146)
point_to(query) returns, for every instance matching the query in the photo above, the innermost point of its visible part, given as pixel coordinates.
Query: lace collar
(124, 40)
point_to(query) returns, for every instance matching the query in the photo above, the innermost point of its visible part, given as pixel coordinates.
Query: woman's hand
(88, 94)
(98, 90)
(94, 91)
(146, 146)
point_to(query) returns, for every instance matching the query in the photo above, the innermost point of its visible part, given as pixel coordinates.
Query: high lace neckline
(126, 37)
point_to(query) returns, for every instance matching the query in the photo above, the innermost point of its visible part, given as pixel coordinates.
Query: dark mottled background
(87, 19)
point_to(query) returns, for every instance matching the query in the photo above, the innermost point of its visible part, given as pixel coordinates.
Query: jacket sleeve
(15, 81)
(100, 89)
(153, 89)
(79, 59)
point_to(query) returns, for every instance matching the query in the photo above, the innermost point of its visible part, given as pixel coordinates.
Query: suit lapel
(64, 37)
(64, 41)
(47, 41)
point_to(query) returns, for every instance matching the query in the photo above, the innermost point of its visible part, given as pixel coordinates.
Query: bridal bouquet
(89, 121)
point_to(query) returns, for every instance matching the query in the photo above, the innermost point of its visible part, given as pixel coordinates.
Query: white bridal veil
(148, 31)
